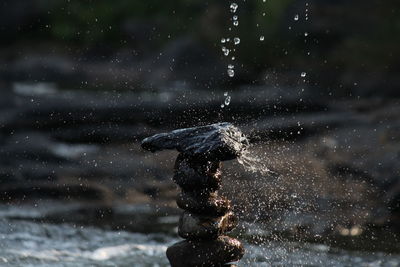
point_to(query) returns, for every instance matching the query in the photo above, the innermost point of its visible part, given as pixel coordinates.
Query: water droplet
(235, 17)
(230, 66)
(227, 100)
(296, 18)
(233, 58)
(306, 34)
(235, 23)
(222, 105)
(225, 51)
(303, 74)
(234, 7)
(262, 38)
(223, 40)
(226, 94)
(231, 72)
(236, 40)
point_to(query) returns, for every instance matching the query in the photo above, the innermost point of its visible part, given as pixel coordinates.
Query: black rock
(191, 174)
(209, 253)
(215, 142)
(209, 204)
(196, 227)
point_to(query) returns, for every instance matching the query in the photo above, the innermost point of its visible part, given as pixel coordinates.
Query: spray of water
(254, 164)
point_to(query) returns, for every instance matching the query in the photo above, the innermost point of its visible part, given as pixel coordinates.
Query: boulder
(197, 175)
(215, 142)
(203, 203)
(206, 253)
(197, 227)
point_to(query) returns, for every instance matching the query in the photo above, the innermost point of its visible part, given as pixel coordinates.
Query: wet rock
(203, 203)
(216, 142)
(201, 227)
(197, 172)
(197, 175)
(207, 253)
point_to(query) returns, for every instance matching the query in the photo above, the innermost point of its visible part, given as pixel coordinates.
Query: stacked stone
(207, 216)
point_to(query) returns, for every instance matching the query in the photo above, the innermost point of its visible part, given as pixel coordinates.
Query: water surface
(26, 243)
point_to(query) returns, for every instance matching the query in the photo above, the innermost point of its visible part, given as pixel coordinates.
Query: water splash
(234, 7)
(227, 100)
(227, 46)
(254, 164)
(306, 11)
(226, 51)
(231, 71)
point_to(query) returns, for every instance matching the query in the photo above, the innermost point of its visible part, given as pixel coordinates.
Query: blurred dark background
(82, 82)
(351, 47)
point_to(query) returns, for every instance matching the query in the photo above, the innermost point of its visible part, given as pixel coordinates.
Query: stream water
(25, 243)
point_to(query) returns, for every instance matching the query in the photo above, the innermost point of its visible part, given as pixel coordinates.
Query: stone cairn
(207, 216)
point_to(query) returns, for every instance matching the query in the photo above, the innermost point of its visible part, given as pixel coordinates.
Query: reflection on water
(26, 243)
